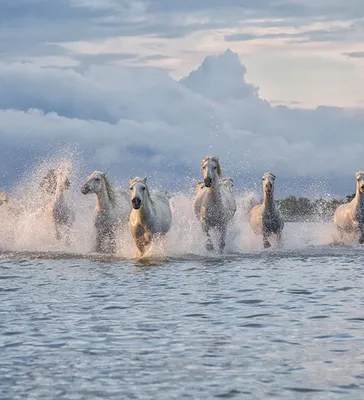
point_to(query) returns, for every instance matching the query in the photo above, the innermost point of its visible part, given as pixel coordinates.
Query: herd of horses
(148, 214)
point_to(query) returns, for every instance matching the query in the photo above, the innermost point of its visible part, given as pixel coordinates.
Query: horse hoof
(361, 240)
(266, 245)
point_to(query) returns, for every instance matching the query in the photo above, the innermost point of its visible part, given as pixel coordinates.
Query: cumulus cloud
(130, 121)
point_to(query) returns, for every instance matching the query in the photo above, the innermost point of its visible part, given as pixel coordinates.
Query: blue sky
(115, 77)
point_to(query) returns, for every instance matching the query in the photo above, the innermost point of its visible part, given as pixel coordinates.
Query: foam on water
(25, 227)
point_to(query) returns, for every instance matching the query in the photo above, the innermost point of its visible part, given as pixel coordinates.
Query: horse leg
(222, 237)
(205, 228)
(279, 239)
(209, 245)
(112, 245)
(57, 232)
(100, 239)
(361, 234)
(266, 243)
(67, 238)
(139, 242)
(341, 234)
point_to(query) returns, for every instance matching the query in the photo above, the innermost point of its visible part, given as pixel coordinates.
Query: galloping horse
(111, 212)
(265, 218)
(214, 204)
(151, 215)
(349, 218)
(56, 184)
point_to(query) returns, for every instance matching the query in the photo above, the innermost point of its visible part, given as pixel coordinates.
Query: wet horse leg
(139, 242)
(279, 239)
(222, 236)
(67, 236)
(206, 229)
(99, 248)
(266, 243)
(341, 234)
(58, 233)
(361, 233)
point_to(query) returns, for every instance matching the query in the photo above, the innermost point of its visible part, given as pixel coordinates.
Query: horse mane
(270, 173)
(111, 192)
(359, 174)
(217, 161)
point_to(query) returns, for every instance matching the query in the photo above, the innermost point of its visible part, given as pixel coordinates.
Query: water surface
(267, 324)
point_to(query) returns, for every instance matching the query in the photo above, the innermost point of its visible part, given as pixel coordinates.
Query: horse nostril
(207, 182)
(136, 202)
(84, 189)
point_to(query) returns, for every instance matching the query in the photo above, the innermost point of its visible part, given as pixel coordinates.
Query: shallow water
(259, 325)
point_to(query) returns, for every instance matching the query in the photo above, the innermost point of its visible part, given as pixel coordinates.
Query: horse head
(211, 170)
(138, 191)
(268, 182)
(63, 172)
(94, 183)
(360, 181)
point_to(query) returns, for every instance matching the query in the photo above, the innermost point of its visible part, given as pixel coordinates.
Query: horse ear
(219, 172)
(145, 179)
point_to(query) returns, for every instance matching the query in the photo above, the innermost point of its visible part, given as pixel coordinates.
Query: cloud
(138, 120)
(39, 28)
(314, 35)
(355, 54)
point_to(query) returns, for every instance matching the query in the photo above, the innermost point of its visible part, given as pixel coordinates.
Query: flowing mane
(111, 192)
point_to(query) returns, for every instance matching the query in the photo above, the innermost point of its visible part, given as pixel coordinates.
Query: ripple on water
(281, 326)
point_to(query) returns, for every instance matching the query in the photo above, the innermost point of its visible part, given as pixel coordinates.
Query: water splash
(24, 227)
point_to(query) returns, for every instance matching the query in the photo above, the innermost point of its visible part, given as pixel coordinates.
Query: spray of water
(26, 227)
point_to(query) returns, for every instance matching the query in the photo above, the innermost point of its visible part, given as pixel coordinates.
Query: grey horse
(265, 218)
(214, 204)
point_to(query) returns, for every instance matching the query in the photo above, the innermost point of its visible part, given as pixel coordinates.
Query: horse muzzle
(207, 182)
(85, 189)
(136, 203)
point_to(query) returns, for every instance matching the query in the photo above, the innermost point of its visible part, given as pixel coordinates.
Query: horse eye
(215, 167)
(130, 188)
(143, 188)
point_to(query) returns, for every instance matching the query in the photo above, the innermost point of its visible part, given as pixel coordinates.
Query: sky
(151, 87)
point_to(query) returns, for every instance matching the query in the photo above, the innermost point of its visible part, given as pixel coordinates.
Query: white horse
(151, 216)
(349, 218)
(265, 218)
(111, 212)
(214, 204)
(62, 214)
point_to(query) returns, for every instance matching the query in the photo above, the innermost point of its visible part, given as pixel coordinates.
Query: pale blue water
(265, 325)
